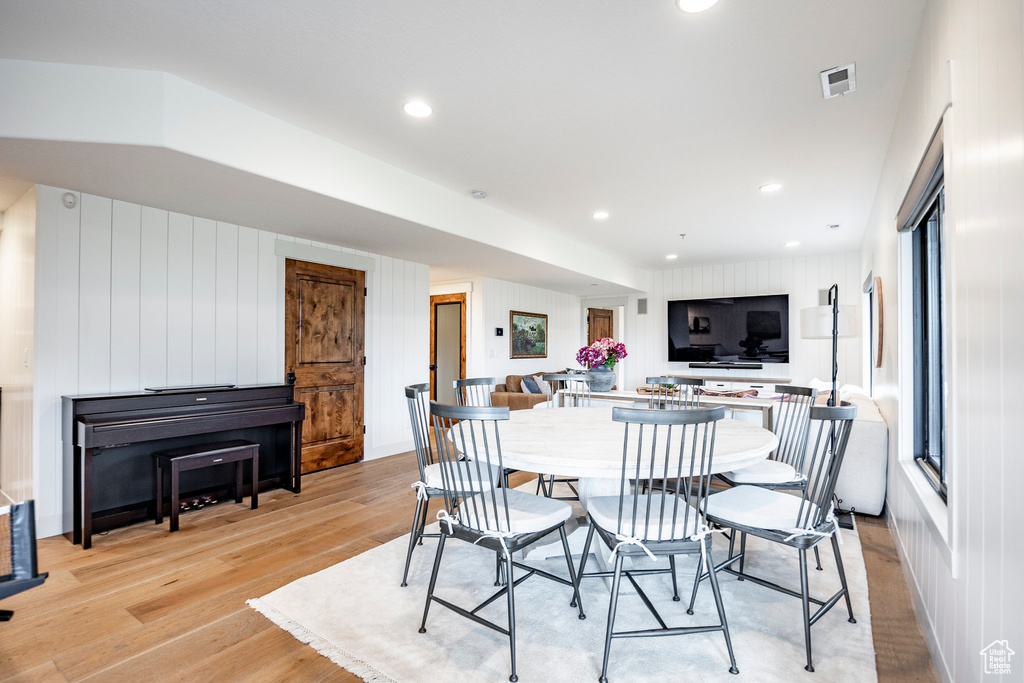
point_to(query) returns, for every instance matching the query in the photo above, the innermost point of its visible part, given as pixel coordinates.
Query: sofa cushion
(514, 383)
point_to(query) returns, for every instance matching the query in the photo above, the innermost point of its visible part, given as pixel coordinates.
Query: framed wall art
(529, 335)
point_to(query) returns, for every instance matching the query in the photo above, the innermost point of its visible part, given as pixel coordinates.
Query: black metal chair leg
(743, 551)
(712, 576)
(806, 603)
(423, 521)
(611, 618)
(842, 578)
(6, 614)
(433, 581)
(817, 559)
(586, 551)
(511, 616)
(675, 587)
(414, 536)
(577, 599)
(696, 582)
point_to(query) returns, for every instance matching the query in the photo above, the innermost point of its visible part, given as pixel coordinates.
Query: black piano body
(109, 440)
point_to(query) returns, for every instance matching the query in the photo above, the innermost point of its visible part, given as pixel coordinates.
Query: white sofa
(862, 481)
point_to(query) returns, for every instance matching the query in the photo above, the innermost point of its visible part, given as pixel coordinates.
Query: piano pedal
(185, 505)
(209, 500)
(197, 504)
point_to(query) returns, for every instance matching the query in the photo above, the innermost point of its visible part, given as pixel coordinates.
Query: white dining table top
(585, 442)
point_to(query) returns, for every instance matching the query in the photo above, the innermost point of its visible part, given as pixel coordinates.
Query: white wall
(492, 300)
(132, 296)
(17, 307)
(963, 561)
(646, 336)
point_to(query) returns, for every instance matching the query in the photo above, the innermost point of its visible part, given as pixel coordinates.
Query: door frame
(436, 299)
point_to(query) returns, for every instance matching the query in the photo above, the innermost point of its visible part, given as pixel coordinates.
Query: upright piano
(109, 440)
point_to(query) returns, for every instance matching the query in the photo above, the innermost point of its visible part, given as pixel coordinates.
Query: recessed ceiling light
(771, 187)
(600, 215)
(479, 194)
(418, 109)
(694, 5)
(672, 257)
(792, 244)
(833, 226)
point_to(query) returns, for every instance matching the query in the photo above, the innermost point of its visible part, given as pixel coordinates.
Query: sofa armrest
(516, 401)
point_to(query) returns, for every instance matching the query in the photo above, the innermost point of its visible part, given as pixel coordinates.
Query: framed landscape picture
(529, 335)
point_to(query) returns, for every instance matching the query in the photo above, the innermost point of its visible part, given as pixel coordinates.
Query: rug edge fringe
(322, 645)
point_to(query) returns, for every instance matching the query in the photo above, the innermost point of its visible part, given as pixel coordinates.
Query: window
(929, 375)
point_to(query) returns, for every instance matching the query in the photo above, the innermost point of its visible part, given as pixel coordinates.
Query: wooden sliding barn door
(324, 348)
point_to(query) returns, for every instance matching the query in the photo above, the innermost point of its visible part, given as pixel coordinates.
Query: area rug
(356, 614)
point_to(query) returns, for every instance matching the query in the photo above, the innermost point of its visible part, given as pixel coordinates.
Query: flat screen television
(737, 329)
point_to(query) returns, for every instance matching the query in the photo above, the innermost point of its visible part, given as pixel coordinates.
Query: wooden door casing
(325, 309)
(434, 301)
(600, 324)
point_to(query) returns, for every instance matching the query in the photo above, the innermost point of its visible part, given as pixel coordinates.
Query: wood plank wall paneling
(134, 296)
(17, 259)
(566, 331)
(962, 559)
(646, 335)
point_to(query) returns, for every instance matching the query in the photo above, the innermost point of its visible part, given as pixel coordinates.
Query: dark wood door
(324, 348)
(599, 324)
(446, 300)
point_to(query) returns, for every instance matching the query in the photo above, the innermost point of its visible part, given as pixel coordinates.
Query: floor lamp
(833, 322)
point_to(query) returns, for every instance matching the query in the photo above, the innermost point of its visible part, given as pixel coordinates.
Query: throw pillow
(530, 386)
(542, 386)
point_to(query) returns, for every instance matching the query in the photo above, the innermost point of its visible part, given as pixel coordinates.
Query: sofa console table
(109, 440)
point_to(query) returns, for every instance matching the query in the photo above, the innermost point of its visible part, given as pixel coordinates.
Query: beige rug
(356, 614)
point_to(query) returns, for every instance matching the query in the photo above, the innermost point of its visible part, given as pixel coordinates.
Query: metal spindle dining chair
(575, 390)
(474, 391)
(431, 483)
(666, 445)
(500, 519)
(800, 521)
(674, 393)
(784, 467)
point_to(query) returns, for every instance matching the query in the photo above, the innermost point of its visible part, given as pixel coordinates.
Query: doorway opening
(447, 345)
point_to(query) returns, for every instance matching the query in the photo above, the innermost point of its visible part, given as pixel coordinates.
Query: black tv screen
(753, 329)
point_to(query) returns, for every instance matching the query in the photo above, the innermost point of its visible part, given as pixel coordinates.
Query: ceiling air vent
(839, 81)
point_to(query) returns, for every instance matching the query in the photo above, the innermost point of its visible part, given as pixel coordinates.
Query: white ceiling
(557, 108)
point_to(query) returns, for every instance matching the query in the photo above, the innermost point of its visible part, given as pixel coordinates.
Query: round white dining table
(586, 442)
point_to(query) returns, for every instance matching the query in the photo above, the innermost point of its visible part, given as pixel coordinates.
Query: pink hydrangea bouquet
(605, 352)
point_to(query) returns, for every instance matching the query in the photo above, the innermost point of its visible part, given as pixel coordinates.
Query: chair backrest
(418, 398)
(575, 390)
(830, 432)
(674, 393)
(793, 424)
(671, 451)
(471, 432)
(474, 391)
(17, 547)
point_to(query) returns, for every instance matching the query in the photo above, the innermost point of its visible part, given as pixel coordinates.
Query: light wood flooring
(147, 605)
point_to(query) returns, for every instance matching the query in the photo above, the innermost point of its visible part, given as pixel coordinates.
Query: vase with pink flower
(600, 359)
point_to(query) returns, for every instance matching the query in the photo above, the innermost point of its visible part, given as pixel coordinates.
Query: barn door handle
(290, 378)
(433, 367)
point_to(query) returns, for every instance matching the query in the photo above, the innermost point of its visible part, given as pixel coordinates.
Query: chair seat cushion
(764, 472)
(527, 513)
(467, 473)
(758, 508)
(604, 510)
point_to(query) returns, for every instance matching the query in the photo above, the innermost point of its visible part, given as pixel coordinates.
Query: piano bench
(178, 460)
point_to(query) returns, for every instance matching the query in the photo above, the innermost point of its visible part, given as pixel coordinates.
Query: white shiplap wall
(963, 560)
(133, 296)
(493, 300)
(801, 277)
(17, 306)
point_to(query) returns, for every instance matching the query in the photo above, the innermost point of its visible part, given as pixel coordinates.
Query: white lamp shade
(816, 322)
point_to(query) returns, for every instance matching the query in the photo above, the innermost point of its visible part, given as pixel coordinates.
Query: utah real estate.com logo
(995, 658)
